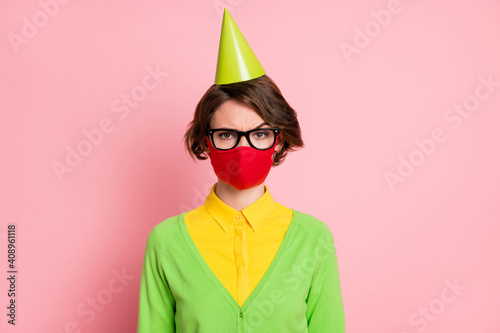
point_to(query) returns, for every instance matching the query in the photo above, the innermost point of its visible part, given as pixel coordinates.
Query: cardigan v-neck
(238, 246)
(300, 291)
(214, 278)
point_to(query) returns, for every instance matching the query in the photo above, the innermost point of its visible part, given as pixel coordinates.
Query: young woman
(241, 262)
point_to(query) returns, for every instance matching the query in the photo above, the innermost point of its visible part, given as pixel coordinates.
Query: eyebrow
(259, 126)
(264, 123)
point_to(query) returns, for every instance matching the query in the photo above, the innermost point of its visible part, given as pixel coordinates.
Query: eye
(225, 135)
(261, 134)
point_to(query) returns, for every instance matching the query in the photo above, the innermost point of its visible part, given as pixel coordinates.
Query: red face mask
(242, 167)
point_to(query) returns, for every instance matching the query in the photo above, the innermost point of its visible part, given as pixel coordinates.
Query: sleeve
(156, 303)
(325, 309)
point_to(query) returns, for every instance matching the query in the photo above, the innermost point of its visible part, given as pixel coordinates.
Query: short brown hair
(263, 96)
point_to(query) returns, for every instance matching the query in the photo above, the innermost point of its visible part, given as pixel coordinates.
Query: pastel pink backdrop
(409, 185)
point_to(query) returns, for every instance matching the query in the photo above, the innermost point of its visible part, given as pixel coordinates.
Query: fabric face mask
(242, 167)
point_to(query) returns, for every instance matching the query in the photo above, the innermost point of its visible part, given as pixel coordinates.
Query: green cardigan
(300, 291)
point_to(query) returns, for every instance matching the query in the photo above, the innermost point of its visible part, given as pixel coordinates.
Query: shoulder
(315, 228)
(164, 230)
(313, 224)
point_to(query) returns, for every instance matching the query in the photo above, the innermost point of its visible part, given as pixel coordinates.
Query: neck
(238, 199)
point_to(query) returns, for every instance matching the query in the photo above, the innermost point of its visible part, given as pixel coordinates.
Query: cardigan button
(241, 314)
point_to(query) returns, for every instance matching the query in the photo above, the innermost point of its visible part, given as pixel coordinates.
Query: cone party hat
(236, 61)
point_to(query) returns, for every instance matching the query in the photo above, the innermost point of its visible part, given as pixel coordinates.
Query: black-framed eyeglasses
(259, 138)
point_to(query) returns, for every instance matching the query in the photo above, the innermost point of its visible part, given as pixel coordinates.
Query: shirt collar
(224, 215)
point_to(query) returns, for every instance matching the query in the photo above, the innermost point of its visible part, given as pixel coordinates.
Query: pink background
(386, 106)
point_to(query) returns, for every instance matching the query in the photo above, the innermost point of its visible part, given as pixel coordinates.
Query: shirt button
(238, 217)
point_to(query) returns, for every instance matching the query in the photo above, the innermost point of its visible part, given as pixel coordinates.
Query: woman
(241, 262)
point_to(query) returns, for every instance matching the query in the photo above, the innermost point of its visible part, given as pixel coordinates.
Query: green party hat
(236, 61)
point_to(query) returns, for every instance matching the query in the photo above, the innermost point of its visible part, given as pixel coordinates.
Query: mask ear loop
(274, 154)
(208, 142)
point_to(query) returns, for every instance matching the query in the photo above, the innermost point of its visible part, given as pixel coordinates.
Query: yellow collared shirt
(238, 246)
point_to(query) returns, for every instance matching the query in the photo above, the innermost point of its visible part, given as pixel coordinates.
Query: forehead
(236, 115)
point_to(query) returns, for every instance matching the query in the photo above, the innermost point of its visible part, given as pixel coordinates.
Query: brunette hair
(263, 96)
